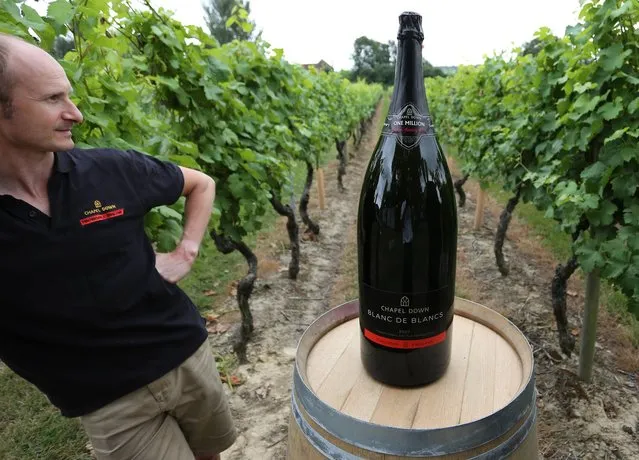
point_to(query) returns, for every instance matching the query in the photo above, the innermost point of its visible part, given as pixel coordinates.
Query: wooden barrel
(482, 408)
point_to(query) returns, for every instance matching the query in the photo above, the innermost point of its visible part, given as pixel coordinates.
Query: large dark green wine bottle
(407, 234)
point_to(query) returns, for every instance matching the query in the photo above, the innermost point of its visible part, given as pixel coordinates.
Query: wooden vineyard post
(589, 327)
(320, 188)
(479, 210)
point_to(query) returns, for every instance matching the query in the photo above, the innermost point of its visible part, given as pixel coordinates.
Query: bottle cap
(410, 25)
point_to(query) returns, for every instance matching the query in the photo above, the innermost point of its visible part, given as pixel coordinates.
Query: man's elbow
(198, 182)
(210, 184)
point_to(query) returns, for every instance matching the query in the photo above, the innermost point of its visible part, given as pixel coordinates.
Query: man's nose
(73, 113)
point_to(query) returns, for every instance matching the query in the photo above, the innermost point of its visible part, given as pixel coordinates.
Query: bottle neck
(409, 77)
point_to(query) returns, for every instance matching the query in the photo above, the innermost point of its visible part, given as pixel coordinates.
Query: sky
(455, 32)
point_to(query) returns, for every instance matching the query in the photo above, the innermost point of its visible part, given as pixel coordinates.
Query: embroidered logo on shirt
(100, 213)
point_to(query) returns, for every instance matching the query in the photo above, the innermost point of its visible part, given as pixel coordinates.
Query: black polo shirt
(84, 314)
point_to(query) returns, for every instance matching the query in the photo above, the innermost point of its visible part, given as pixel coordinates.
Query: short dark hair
(7, 79)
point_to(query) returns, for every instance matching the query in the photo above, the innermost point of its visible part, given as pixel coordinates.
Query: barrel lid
(488, 388)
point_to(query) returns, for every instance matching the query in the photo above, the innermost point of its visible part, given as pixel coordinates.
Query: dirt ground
(576, 420)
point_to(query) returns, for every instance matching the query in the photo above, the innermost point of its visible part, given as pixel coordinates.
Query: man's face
(41, 115)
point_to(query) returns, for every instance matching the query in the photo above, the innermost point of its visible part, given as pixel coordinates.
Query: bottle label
(406, 321)
(408, 126)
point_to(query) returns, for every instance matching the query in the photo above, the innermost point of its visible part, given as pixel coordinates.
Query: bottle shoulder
(409, 177)
(423, 155)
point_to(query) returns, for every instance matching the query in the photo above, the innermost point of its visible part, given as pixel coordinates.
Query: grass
(617, 305)
(559, 244)
(32, 429)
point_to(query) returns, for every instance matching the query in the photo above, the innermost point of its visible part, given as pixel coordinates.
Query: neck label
(409, 126)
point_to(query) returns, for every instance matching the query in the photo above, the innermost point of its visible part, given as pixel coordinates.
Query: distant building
(321, 66)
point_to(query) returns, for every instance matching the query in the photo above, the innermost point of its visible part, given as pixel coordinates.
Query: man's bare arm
(199, 190)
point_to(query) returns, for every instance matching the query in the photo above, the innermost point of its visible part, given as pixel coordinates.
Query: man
(88, 312)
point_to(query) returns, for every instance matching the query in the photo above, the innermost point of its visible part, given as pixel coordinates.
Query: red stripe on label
(100, 217)
(405, 344)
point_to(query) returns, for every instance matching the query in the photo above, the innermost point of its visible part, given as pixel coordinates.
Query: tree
(375, 62)
(532, 47)
(372, 61)
(218, 12)
(432, 71)
(392, 49)
(61, 46)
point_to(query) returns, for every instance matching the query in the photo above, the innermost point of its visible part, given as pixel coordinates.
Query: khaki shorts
(180, 415)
